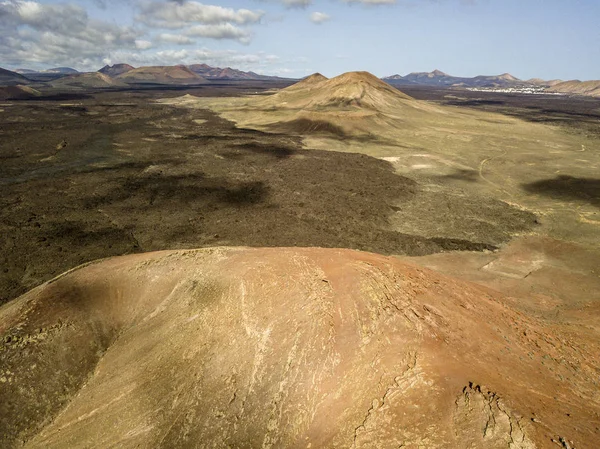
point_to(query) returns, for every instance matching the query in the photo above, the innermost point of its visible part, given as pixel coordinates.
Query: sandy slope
(587, 88)
(17, 92)
(287, 348)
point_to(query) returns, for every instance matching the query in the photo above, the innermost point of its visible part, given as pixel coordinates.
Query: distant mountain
(435, 77)
(161, 75)
(55, 70)
(92, 80)
(25, 71)
(543, 83)
(576, 87)
(8, 78)
(62, 70)
(116, 69)
(393, 77)
(439, 78)
(217, 73)
(504, 80)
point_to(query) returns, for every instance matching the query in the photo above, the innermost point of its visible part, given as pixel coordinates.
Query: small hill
(354, 105)
(307, 82)
(360, 89)
(94, 80)
(298, 347)
(8, 78)
(116, 69)
(504, 80)
(353, 89)
(161, 75)
(314, 78)
(585, 88)
(543, 83)
(508, 77)
(18, 92)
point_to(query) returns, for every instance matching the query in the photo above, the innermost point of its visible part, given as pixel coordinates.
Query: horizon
(266, 74)
(295, 38)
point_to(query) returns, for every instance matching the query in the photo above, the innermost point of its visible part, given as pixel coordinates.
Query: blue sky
(533, 38)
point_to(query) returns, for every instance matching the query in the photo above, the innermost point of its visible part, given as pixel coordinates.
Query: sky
(547, 39)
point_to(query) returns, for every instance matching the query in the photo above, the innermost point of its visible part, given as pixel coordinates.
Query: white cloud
(257, 62)
(176, 39)
(58, 34)
(38, 35)
(291, 4)
(220, 31)
(371, 2)
(181, 14)
(319, 17)
(297, 3)
(141, 44)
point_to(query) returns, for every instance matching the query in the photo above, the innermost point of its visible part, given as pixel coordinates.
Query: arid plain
(469, 317)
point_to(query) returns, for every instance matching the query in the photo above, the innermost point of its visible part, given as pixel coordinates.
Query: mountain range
(55, 70)
(123, 74)
(203, 70)
(217, 73)
(179, 74)
(439, 78)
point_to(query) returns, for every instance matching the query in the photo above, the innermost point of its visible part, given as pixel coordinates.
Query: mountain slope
(586, 88)
(543, 83)
(354, 104)
(8, 78)
(439, 78)
(17, 92)
(161, 75)
(240, 347)
(86, 81)
(227, 73)
(353, 89)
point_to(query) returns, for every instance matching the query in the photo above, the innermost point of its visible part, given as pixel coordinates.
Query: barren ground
(86, 177)
(296, 347)
(288, 347)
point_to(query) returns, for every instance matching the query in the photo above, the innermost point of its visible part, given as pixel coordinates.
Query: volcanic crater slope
(357, 89)
(355, 104)
(285, 347)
